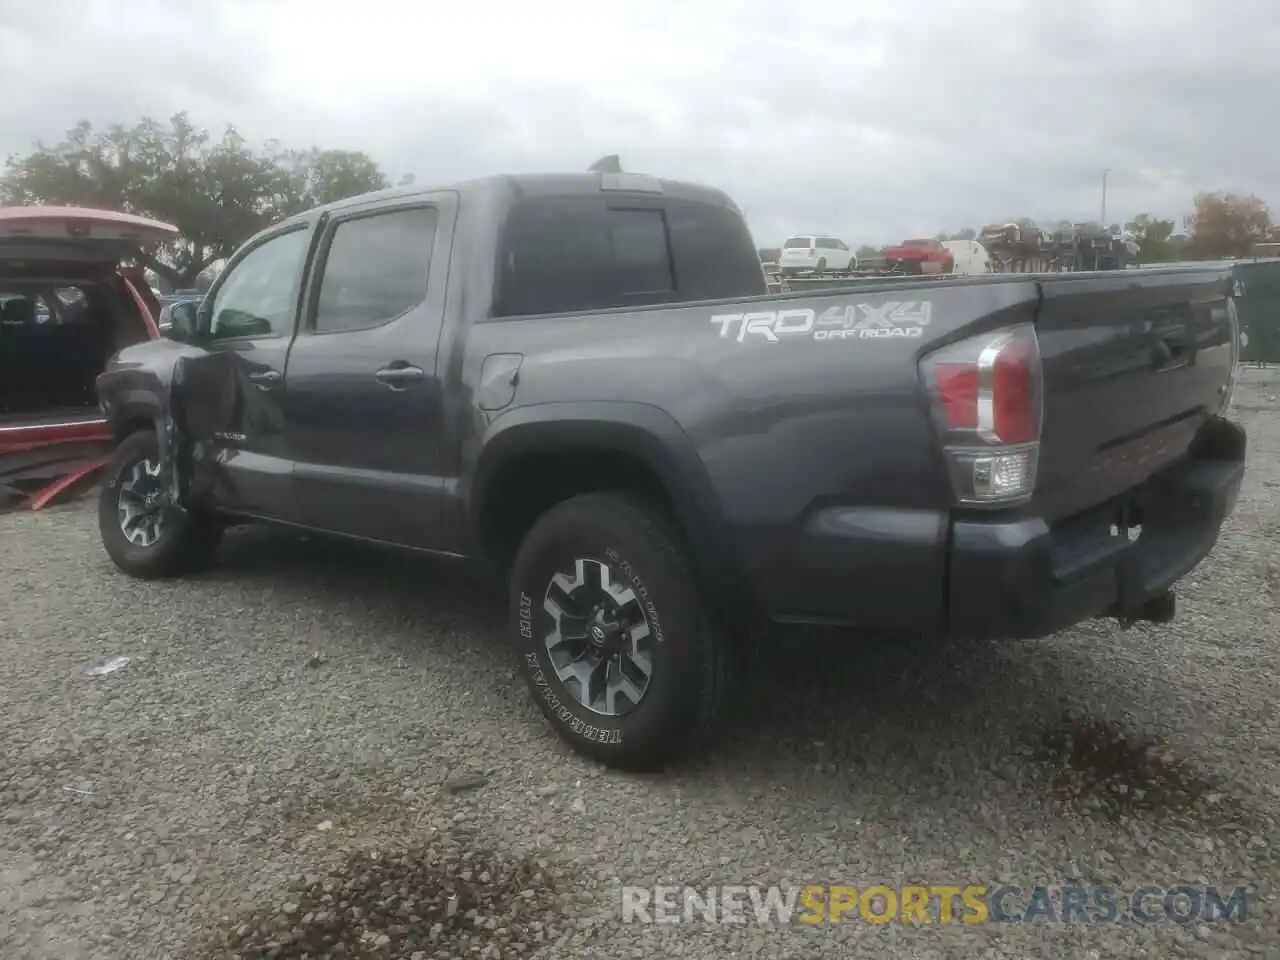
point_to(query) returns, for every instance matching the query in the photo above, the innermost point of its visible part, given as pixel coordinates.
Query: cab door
(230, 392)
(365, 407)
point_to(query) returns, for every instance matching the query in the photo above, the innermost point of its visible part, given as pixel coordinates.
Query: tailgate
(1135, 362)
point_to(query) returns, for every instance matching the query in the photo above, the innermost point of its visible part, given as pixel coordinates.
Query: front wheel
(142, 532)
(616, 643)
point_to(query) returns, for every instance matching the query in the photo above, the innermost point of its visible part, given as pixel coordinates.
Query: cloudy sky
(876, 121)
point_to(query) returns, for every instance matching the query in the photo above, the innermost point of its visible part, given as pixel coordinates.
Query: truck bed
(829, 470)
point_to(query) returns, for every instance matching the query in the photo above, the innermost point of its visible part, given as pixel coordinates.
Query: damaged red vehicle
(66, 305)
(927, 257)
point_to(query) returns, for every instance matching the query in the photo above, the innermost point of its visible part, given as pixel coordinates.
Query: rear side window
(562, 254)
(715, 254)
(797, 243)
(375, 270)
(826, 243)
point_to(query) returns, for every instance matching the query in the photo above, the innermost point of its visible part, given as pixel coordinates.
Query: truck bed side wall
(813, 416)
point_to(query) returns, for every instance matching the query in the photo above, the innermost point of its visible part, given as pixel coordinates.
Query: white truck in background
(970, 257)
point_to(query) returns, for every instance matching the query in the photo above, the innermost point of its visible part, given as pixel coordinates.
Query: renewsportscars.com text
(935, 903)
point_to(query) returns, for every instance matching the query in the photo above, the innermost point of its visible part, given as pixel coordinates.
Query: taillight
(986, 395)
(1239, 340)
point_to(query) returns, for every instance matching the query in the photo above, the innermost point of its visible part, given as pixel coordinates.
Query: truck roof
(516, 186)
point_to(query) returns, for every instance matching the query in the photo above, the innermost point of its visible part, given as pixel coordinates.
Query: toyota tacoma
(582, 381)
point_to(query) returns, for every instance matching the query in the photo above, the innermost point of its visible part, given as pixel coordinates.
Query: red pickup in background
(919, 257)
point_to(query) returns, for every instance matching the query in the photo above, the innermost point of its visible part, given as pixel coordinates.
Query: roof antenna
(609, 164)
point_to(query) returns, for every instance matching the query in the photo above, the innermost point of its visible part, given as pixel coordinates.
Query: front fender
(137, 382)
(136, 392)
(640, 429)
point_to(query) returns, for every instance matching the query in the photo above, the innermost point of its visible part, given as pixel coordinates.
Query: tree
(217, 192)
(1152, 235)
(868, 252)
(1227, 224)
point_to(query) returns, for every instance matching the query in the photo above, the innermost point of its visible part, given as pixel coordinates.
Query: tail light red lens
(1016, 404)
(987, 398)
(957, 386)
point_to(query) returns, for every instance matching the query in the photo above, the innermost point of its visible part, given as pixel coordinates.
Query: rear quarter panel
(791, 402)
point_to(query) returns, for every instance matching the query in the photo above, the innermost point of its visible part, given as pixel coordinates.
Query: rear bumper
(1026, 579)
(985, 577)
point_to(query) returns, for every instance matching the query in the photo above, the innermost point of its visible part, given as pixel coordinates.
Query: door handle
(265, 379)
(396, 376)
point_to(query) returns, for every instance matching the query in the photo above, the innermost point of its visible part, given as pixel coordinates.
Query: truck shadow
(823, 707)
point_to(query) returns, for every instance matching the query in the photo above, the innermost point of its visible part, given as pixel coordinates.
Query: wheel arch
(134, 410)
(588, 435)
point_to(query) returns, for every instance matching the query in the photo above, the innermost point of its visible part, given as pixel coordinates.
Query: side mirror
(184, 320)
(238, 323)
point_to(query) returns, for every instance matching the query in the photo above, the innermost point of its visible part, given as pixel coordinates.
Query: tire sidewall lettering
(636, 555)
(538, 665)
(563, 714)
(525, 616)
(642, 591)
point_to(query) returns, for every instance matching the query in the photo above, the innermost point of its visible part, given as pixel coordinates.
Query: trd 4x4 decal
(857, 321)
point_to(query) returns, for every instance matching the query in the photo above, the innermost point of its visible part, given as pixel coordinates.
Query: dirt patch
(1096, 766)
(1269, 571)
(414, 903)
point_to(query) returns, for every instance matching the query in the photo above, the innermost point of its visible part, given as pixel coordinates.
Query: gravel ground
(315, 748)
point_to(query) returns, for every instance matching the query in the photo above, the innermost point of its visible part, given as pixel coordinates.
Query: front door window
(258, 297)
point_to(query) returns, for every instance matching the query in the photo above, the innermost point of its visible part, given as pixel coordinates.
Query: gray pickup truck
(582, 381)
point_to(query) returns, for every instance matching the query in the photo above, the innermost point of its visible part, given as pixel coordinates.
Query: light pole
(1104, 197)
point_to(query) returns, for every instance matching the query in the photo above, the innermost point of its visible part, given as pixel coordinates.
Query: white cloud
(872, 122)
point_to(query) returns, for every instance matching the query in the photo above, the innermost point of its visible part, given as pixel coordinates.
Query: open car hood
(30, 235)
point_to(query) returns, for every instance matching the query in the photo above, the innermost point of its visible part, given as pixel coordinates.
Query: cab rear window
(567, 254)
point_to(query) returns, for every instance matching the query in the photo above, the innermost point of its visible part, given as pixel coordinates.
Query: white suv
(816, 253)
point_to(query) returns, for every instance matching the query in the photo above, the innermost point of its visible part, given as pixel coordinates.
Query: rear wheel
(853, 266)
(616, 643)
(822, 266)
(143, 533)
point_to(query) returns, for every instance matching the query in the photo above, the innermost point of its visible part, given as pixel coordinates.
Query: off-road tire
(188, 540)
(691, 664)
